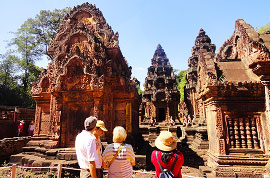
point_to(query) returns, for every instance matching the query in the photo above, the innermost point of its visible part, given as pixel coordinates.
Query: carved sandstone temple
(229, 92)
(202, 42)
(160, 97)
(88, 76)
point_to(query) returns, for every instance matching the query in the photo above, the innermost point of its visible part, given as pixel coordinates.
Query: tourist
(20, 128)
(100, 129)
(167, 154)
(119, 157)
(85, 145)
(31, 128)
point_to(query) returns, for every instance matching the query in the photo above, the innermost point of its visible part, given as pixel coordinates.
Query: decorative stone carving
(86, 69)
(194, 73)
(160, 98)
(232, 83)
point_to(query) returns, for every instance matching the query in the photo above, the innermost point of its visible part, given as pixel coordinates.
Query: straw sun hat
(165, 141)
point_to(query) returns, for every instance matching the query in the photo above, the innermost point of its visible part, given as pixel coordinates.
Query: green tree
(264, 28)
(27, 50)
(10, 92)
(181, 83)
(30, 44)
(137, 84)
(45, 25)
(7, 69)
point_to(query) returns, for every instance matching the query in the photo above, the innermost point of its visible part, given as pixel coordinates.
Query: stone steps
(32, 160)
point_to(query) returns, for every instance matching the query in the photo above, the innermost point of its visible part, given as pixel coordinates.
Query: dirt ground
(22, 173)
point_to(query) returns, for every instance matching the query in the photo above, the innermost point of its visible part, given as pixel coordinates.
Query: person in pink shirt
(20, 128)
(31, 128)
(167, 154)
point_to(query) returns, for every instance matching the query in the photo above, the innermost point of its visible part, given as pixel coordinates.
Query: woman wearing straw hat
(119, 157)
(167, 157)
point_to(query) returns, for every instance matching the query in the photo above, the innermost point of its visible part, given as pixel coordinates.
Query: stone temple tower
(160, 97)
(202, 42)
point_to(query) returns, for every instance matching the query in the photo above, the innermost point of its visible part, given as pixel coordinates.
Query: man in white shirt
(86, 151)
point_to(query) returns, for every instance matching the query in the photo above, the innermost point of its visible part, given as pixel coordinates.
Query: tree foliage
(10, 92)
(181, 83)
(264, 28)
(7, 69)
(27, 51)
(17, 66)
(45, 25)
(137, 84)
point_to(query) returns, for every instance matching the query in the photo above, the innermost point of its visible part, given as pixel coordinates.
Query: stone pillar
(266, 84)
(194, 104)
(220, 132)
(267, 101)
(129, 117)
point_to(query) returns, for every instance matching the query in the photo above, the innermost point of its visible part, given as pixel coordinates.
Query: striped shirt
(122, 165)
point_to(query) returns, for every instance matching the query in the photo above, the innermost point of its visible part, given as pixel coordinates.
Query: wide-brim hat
(101, 125)
(165, 141)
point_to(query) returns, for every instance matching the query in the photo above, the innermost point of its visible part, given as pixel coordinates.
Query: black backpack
(165, 173)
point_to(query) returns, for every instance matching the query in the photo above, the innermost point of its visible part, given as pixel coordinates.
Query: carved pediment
(75, 78)
(246, 45)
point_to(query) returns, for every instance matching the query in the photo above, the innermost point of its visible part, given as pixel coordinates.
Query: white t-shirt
(85, 145)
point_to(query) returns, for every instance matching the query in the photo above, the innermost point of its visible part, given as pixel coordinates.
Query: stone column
(267, 102)
(266, 84)
(129, 117)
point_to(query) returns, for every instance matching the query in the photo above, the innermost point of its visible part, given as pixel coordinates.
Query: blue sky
(143, 24)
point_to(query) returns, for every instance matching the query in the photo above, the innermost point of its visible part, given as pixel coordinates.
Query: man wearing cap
(100, 129)
(86, 151)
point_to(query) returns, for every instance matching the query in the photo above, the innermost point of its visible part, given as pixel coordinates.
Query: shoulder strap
(159, 163)
(176, 157)
(118, 151)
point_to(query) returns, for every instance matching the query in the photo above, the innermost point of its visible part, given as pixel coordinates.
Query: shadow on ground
(191, 158)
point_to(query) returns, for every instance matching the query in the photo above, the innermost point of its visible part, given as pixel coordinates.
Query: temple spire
(159, 52)
(160, 57)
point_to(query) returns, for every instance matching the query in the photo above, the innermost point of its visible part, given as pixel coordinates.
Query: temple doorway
(75, 115)
(161, 114)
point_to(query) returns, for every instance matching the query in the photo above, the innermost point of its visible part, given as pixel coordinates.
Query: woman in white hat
(167, 157)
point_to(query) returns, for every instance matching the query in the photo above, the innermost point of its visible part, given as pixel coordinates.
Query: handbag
(118, 151)
(165, 173)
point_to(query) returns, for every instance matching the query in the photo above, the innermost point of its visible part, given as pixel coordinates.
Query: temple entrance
(76, 115)
(161, 114)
